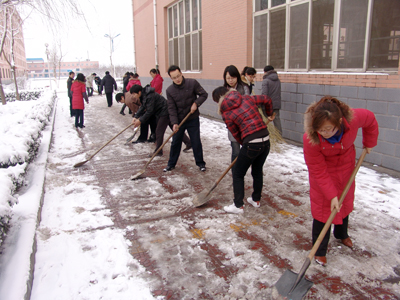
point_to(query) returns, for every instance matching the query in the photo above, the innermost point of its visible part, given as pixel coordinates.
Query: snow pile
(20, 132)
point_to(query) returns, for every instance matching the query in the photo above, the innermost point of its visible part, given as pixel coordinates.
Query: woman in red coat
(157, 81)
(133, 80)
(330, 131)
(78, 90)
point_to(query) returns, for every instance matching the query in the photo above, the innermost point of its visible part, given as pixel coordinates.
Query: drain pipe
(155, 32)
(134, 49)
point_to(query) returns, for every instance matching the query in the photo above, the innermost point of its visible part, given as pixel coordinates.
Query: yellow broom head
(275, 136)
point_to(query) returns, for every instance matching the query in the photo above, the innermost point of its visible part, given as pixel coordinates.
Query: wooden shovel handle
(334, 211)
(162, 146)
(110, 141)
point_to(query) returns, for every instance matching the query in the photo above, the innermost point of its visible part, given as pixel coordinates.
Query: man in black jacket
(69, 84)
(185, 95)
(109, 84)
(153, 104)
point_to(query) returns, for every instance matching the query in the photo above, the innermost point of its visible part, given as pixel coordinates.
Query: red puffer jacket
(131, 83)
(241, 116)
(330, 166)
(77, 88)
(157, 83)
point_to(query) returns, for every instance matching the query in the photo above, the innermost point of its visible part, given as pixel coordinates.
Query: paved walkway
(203, 253)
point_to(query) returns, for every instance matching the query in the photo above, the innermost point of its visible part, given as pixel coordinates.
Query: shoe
(254, 203)
(232, 209)
(187, 149)
(168, 168)
(203, 168)
(122, 113)
(138, 141)
(158, 154)
(83, 126)
(347, 242)
(150, 140)
(320, 260)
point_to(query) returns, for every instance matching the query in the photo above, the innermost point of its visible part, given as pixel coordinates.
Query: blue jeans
(193, 129)
(79, 118)
(254, 155)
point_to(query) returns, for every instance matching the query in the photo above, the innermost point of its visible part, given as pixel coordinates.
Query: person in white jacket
(89, 84)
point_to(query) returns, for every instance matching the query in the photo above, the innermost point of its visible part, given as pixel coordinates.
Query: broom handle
(162, 146)
(334, 211)
(110, 141)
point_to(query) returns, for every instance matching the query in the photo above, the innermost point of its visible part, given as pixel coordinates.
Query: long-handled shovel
(135, 176)
(295, 286)
(132, 137)
(84, 162)
(205, 194)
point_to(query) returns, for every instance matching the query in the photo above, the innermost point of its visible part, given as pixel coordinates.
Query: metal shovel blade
(137, 175)
(80, 163)
(286, 282)
(202, 198)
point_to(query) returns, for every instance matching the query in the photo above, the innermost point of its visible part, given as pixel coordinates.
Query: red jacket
(241, 116)
(157, 83)
(131, 83)
(330, 166)
(77, 88)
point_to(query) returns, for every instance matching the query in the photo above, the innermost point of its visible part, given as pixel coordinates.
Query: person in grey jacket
(109, 84)
(271, 86)
(185, 95)
(89, 84)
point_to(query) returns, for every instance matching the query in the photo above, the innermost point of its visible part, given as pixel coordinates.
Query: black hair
(70, 73)
(173, 68)
(155, 71)
(119, 96)
(250, 71)
(268, 68)
(135, 89)
(219, 92)
(234, 72)
(81, 77)
(107, 73)
(135, 75)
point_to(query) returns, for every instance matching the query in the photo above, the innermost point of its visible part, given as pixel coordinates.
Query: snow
(81, 255)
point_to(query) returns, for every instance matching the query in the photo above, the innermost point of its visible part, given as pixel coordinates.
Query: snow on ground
(81, 254)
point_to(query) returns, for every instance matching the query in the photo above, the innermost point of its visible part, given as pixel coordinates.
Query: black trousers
(162, 124)
(339, 231)
(71, 111)
(78, 118)
(109, 99)
(144, 128)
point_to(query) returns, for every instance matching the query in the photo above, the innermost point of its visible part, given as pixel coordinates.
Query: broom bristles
(275, 137)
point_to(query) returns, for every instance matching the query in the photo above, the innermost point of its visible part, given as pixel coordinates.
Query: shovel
(135, 176)
(295, 286)
(132, 137)
(205, 194)
(84, 162)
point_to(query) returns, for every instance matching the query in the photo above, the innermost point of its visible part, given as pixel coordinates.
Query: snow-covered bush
(20, 132)
(24, 95)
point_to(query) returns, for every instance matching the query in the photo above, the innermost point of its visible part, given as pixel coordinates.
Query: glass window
(187, 16)
(175, 20)
(261, 4)
(195, 15)
(322, 34)
(188, 52)
(277, 40)
(353, 22)
(181, 23)
(182, 50)
(298, 36)
(195, 52)
(385, 35)
(277, 2)
(260, 41)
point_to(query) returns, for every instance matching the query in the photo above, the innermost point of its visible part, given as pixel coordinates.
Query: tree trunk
(17, 97)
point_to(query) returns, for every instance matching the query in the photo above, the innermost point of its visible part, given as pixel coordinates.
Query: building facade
(19, 53)
(345, 48)
(38, 68)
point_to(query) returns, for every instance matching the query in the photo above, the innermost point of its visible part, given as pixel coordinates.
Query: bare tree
(3, 28)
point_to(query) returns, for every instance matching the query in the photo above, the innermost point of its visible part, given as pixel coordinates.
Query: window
(185, 35)
(343, 35)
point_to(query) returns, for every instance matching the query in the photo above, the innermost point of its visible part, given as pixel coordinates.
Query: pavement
(204, 253)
